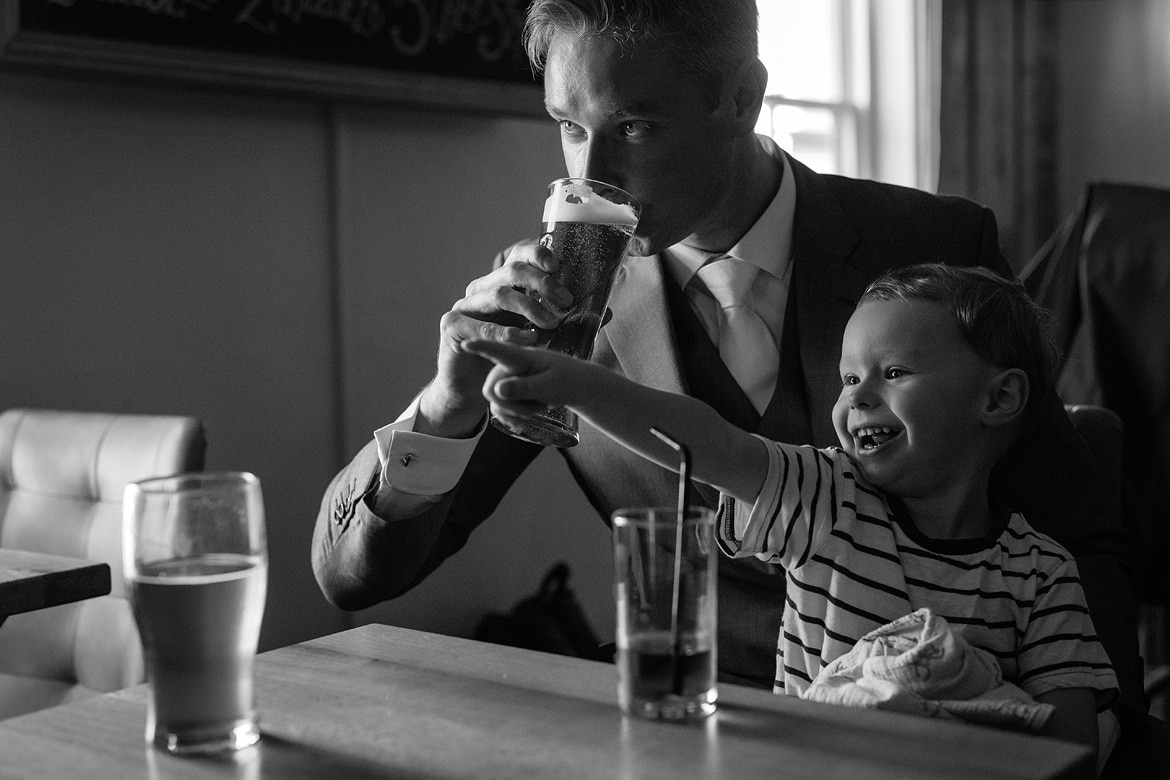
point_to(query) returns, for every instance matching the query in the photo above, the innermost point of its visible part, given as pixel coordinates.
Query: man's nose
(596, 161)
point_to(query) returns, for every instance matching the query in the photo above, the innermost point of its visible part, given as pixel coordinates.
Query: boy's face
(912, 390)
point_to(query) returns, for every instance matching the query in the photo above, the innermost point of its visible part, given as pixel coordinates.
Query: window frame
(883, 117)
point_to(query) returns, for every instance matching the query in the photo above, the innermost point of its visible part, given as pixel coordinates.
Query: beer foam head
(573, 200)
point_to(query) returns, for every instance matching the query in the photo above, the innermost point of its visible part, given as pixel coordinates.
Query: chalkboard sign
(447, 53)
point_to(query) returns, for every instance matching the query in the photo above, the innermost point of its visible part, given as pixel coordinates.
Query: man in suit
(661, 99)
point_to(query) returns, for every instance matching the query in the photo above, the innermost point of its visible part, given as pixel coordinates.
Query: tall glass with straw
(665, 572)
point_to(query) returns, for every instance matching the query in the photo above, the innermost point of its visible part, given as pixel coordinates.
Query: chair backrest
(1103, 430)
(1105, 275)
(62, 476)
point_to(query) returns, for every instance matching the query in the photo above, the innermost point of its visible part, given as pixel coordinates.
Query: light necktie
(745, 343)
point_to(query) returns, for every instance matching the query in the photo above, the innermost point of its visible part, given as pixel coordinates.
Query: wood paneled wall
(276, 267)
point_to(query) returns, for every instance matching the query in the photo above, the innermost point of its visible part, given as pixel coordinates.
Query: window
(847, 88)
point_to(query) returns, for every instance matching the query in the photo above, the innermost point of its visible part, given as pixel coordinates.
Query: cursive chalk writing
(366, 18)
(456, 34)
(412, 26)
(173, 8)
(494, 23)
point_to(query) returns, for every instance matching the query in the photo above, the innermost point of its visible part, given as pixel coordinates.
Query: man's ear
(751, 79)
(1007, 395)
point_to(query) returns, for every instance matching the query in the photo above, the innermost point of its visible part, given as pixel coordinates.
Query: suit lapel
(640, 338)
(825, 291)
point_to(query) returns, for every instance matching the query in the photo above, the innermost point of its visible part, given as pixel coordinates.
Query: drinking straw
(684, 504)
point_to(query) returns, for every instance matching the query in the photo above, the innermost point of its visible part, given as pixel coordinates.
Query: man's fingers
(500, 300)
(523, 285)
(534, 253)
(459, 328)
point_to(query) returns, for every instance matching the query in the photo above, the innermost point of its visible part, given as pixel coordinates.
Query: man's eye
(635, 129)
(895, 373)
(849, 379)
(569, 128)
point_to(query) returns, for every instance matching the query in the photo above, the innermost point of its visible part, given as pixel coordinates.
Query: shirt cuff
(419, 464)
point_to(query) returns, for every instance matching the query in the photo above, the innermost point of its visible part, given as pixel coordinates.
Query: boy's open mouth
(871, 437)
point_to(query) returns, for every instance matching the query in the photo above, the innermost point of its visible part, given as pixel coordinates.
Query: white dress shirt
(767, 245)
(417, 470)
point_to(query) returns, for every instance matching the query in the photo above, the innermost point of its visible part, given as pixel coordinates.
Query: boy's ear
(1007, 395)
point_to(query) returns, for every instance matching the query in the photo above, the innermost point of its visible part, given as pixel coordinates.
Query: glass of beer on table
(588, 225)
(196, 568)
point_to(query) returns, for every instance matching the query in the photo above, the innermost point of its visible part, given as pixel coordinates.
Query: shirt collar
(767, 244)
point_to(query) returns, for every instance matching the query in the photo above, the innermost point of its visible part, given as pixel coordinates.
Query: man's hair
(707, 38)
(995, 316)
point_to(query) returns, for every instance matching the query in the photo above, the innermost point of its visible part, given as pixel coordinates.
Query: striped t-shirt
(854, 565)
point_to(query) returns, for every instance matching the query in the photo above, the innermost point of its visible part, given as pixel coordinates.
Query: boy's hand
(498, 306)
(525, 380)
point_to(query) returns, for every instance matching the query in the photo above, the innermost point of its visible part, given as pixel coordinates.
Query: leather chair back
(62, 476)
(1105, 275)
(1144, 747)
(1103, 431)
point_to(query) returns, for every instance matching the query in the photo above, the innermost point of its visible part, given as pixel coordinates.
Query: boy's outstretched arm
(526, 380)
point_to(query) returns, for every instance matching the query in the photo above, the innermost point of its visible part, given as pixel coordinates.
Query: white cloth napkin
(917, 664)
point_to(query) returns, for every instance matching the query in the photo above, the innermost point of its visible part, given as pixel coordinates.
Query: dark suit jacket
(846, 233)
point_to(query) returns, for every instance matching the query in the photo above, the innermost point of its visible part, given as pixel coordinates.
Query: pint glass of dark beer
(587, 226)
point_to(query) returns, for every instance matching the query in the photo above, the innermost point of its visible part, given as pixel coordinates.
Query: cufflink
(343, 504)
(407, 459)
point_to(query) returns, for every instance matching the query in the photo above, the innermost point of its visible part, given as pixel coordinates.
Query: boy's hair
(706, 38)
(995, 316)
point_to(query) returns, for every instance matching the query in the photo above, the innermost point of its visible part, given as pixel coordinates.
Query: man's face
(911, 394)
(638, 122)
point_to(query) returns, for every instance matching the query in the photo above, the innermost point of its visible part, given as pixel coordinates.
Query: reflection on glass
(243, 764)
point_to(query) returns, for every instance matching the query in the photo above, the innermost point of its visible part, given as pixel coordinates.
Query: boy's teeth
(875, 435)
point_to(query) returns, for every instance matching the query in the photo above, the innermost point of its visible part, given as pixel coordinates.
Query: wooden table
(382, 702)
(31, 581)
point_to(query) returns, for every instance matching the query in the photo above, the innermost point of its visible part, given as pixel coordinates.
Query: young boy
(941, 369)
